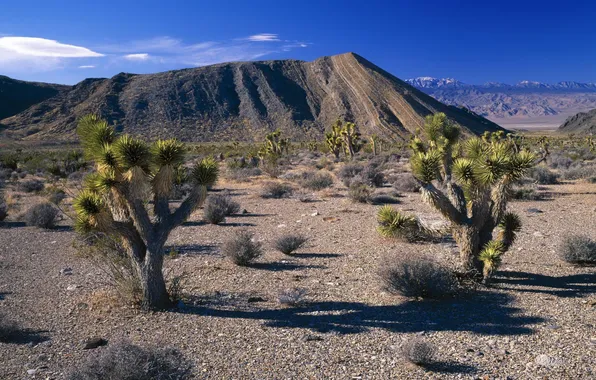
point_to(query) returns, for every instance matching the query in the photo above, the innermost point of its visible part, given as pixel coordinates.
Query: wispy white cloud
(87, 67)
(137, 57)
(263, 37)
(38, 54)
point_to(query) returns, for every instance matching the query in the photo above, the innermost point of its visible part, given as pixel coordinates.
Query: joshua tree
(469, 183)
(351, 139)
(132, 176)
(334, 139)
(374, 143)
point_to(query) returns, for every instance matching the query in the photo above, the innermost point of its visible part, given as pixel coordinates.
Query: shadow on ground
(486, 312)
(577, 285)
(193, 249)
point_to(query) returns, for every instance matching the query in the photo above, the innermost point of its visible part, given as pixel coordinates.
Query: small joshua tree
(352, 142)
(132, 176)
(469, 183)
(334, 139)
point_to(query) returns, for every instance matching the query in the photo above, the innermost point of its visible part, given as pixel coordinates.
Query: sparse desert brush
(559, 161)
(30, 186)
(543, 176)
(276, 190)
(124, 360)
(417, 276)
(372, 174)
(348, 172)
(292, 296)
(242, 249)
(360, 193)
(525, 193)
(579, 250)
(579, 172)
(55, 195)
(406, 183)
(43, 215)
(218, 206)
(418, 351)
(243, 174)
(288, 244)
(395, 224)
(316, 180)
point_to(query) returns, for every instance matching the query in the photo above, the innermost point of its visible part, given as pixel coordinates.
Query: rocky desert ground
(537, 319)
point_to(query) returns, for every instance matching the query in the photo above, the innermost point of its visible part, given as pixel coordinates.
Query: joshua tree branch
(194, 199)
(436, 198)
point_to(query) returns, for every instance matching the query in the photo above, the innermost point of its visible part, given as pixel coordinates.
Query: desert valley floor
(537, 320)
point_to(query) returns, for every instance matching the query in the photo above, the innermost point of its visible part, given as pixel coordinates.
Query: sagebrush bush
(56, 196)
(418, 351)
(218, 206)
(415, 275)
(543, 176)
(42, 215)
(287, 244)
(276, 190)
(558, 161)
(406, 183)
(525, 193)
(579, 250)
(292, 296)
(30, 186)
(348, 172)
(360, 193)
(242, 249)
(580, 172)
(126, 361)
(372, 174)
(243, 174)
(316, 180)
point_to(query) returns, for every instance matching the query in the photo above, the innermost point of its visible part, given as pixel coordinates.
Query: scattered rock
(316, 213)
(533, 210)
(32, 372)
(93, 343)
(244, 211)
(310, 338)
(66, 271)
(255, 299)
(72, 288)
(548, 361)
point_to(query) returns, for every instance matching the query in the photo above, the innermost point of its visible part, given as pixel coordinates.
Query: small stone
(316, 213)
(553, 327)
(538, 234)
(470, 350)
(533, 210)
(311, 338)
(244, 211)
(66, 271)
(548, 361)
(255, 299)
(281, 226)
(492, 342)
(72, 288)
(32, 371)
(93, 343)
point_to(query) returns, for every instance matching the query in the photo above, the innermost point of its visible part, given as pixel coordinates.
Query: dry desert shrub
(43, 215)
(242, 249)
(418, 351)
(288, 244)
(30, 186)
(292, 296)
(417, 276)
(218, 206)
(579, 250)
(276, 190)
(126, 361)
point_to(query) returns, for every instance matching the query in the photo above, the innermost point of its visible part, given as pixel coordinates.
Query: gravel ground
(536, 321)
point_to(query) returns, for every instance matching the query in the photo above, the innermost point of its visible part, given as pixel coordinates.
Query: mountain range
(242, 100)
(503, 103)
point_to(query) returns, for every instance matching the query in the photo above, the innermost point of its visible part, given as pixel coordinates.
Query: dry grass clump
(406, 183)
(417, 276)
(127, 361)
(43, 215)
(276, 190)
(288, 244)
(218, 206)
(418, 351)
(579, 250)
(316, 180)
(242, 249)
(30, 186)
(543, 176)
(360, 193)
(292, 296)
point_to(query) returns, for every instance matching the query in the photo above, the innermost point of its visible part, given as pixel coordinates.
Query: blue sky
(473, 41)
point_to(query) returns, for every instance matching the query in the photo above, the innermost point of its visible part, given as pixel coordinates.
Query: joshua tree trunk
(467, 238)
(153, 286)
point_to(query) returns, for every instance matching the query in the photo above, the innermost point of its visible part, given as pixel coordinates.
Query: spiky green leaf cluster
(167, 152)
(132, 153)
(394, 224)
(426, 166)
(205, 172)
(491, 256)
(509, 226)
(88, 203)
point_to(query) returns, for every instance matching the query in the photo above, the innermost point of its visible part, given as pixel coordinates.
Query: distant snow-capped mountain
(525, 99)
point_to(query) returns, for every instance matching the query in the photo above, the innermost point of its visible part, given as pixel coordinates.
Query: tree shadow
(232, 224)
(316, 255)
(18, 335)
(577, 285)
(62, 228)
(486, 312)
(3, 295)
(282, 266)
(250, 214)
(193, 249)
(7, 224)
(193, 223)
(450, 367)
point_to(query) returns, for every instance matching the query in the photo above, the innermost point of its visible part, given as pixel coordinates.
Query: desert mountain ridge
(582, 123)
(243, 100)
